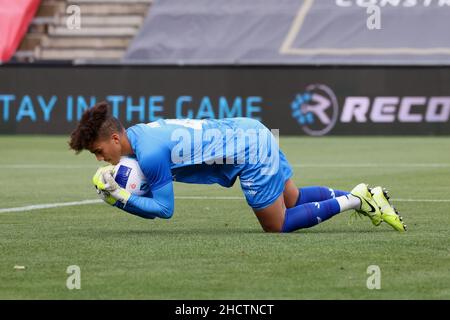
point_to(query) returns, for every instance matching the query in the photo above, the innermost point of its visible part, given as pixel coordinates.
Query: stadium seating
(107, 27)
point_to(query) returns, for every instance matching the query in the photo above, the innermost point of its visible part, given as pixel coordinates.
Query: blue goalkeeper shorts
(263, 182)
(261, 190)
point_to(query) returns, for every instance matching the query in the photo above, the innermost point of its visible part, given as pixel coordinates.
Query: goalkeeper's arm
(161, 205)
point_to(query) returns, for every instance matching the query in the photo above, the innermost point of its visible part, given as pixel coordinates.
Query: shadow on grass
(230, 232)
(347, 231)
(180, 232)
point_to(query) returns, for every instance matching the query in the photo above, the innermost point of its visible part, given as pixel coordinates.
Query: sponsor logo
(247, 187)
(316, 110)
(251, 192)
(389, 109)
(123, 173)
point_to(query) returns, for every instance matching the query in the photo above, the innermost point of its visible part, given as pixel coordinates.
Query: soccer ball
(129, 176)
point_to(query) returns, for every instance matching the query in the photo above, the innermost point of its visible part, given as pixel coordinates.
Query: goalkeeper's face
(109, 149)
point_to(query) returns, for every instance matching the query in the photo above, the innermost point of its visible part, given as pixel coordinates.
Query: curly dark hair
(96, 122)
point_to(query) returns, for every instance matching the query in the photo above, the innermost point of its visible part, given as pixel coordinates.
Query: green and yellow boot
(369, 207)
(388, 213)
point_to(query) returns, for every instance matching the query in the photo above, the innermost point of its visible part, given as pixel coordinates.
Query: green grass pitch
(214, 248)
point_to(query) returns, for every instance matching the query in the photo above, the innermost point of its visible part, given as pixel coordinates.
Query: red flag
(15, 17)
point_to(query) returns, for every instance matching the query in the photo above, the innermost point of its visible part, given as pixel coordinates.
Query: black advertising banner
(296, 100)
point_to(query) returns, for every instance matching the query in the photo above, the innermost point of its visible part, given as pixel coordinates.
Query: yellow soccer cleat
(369, 207)
(388, 213)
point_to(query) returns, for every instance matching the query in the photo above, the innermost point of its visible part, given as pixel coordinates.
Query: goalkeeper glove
(108, 189)
(98, 180)
(105, 196)
(100, 184)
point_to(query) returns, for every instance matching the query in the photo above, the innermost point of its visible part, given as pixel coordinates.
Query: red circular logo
(133, 186)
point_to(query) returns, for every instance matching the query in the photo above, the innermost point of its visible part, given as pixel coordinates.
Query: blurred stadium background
(374, 88)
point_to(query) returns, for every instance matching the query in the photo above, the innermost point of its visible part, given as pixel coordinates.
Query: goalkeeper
(207, 152)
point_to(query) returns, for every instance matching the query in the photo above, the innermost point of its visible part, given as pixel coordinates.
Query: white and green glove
(100, 185)
(108, 189)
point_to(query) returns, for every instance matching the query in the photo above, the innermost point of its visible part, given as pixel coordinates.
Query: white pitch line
(95, 201)
(421, 200)
(49, 205)
(45, 166)
(208, 198)
(372, 165)
(295, 165)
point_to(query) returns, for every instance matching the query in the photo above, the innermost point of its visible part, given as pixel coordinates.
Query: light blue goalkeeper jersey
(205, 152)
(194, 151)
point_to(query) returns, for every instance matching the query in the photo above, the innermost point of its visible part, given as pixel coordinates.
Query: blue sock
(316, 194)
(309, 214)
